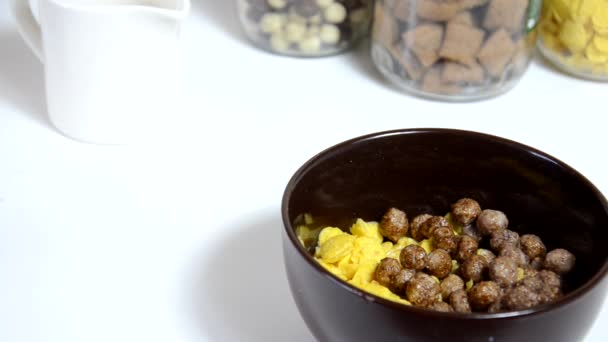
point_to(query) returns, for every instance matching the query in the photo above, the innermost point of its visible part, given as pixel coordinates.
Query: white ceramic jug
(111, 66)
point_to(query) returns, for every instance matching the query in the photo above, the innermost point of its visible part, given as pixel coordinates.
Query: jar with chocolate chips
(305, 28)
(454, 49)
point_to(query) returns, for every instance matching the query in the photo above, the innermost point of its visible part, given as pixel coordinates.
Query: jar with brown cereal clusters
(574, 36)
(305, 28)
(454, 49)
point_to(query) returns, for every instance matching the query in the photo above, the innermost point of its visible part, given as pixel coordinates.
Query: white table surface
(178, 239)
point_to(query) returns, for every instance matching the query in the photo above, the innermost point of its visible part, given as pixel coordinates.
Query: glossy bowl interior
(424, 171)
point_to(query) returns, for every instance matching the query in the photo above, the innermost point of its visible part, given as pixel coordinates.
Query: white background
(177, 239)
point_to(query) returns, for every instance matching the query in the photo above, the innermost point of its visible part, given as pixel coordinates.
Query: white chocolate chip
(296, 18)
(272, 22)
(279, 43)
(315, 19)
(294, 32)
(310, 45)
(335, 13)
(277, 4)
(313, 30)
(329, 34)
(324, 3)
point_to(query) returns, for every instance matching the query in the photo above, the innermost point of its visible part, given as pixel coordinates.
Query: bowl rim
(565, 300)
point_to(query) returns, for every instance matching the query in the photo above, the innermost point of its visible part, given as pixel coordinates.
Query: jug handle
(28, 26)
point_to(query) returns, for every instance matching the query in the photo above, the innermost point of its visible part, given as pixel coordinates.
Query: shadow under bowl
(424, 171)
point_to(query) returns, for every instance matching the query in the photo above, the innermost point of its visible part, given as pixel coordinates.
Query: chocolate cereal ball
(467, 246)
(465, 211)
(486, 254)
(441, 307)
(490, 221)
(516, 254)
(414, 257)
(503, 238)
(472, 231)
(439, 263)
(537, 263)
(400, 279)
(473, 268)
(503, 271)
(559, 261)
(428, 226)
(533, 246)
(445, 239)
(533, 281)
(386, 270)
(443, 232)
(460, 301)
(415, 226)
(483, 294)
(422, 289)
(521, 297)
(450, 284)
(449, 244)
(552, 286)
(394, 224)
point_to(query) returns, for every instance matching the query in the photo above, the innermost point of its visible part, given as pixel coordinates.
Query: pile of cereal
(453, 46)
(436, 262)
(577, 32)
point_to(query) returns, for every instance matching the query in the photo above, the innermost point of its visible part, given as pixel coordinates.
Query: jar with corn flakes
(455, 50)
(574, 36)
(305, 28)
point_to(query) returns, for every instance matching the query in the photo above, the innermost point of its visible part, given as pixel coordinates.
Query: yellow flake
(595, 55)
(405, 241)
(601, 43)
(336, 248)
(455, 266)
(328, 233)
(427, 244)
(586, 9)
(552, 42)
(332, 269)
(366, 229)
(375, 288)
(549, 26)
(387, 246)
(560, 10)
(520, 273)
(600, 18)
(364, 274)
(366, 249)
(456, 227)
(347, 268)
(573, 35)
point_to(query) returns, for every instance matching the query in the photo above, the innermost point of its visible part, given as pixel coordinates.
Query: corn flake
(366, 229)
(336, 248)
(600, 18)
(601, 43)
(573, 35)
(595, 55)
(328, 233)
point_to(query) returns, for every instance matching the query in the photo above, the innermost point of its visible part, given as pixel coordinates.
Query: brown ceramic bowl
(425, 170)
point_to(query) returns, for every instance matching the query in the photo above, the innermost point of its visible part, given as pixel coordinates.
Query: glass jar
(574, 36)
(454, 49)
(305, 28)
